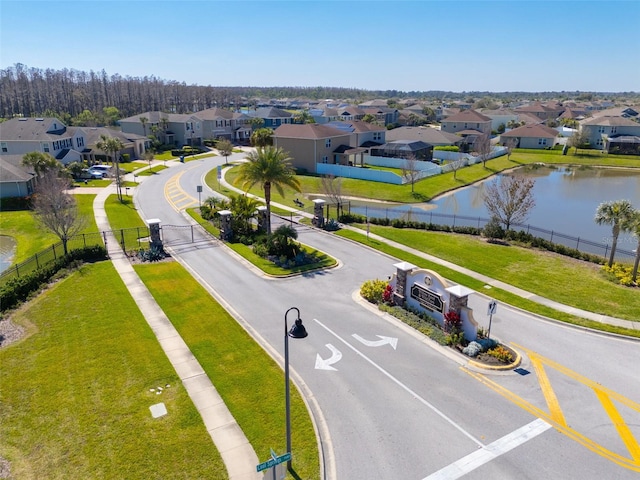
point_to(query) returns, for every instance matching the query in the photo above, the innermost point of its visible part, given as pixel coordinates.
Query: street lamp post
(297, 331)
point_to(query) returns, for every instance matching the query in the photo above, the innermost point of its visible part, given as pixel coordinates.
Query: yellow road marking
(175, 195)
(605, 395)
(623, 430)
(547, 391)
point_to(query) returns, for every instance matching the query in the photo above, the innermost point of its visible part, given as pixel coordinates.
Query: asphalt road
(406, 408)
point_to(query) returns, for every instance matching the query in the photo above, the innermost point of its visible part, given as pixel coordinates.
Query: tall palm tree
(112, 146)
(633, 226)
(143, 121)
(270, 167)
(616, 214)
(40, 162)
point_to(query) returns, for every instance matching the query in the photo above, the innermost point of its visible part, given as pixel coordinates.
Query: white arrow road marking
(377, 343)
(336, 356)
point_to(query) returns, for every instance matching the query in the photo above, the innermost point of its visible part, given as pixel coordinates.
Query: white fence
(359, 173)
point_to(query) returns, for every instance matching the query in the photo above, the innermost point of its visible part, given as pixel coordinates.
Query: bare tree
(510, 199)
(579, 139)
(410, 170)
(482, 145)
(332, 188)
(55, 209)
(457, 165)
(510, 144)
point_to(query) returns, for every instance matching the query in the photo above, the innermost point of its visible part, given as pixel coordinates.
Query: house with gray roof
(429, 135)
(407, 149)
(609, 132)
(273, 117)
(15, 180)
(170, 128)
(221, 123)
(46, 135)
(467, 123)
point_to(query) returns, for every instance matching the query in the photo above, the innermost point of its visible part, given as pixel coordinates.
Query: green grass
(267, 266)
(122, 214)
(551, 276)
(31, 237)
(249, 381)
(131, 166)
(92, 183)
(151, 171)
(75, 393)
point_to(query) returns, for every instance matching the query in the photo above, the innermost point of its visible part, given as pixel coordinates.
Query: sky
(449, 45)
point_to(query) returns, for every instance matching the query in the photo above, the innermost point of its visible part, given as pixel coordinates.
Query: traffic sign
(493, 307)
(274, 461)
(219, 172)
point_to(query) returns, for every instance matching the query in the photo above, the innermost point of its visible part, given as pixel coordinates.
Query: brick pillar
(154, 233)
(400, 292)
(262, 218)
(318, 213)
(226, 232)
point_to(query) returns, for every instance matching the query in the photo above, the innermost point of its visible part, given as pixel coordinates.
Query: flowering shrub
(373, 290)
(472, 350)
(620, 274)
(501, 354)
(452, 322)
(387, 295)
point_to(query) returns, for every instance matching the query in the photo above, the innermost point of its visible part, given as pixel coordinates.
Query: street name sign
(274, 461)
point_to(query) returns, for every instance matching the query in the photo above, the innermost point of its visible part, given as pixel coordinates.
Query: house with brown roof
(467, 123)
(312, 143)
(612, 134)
(548, 111)
(531, 136)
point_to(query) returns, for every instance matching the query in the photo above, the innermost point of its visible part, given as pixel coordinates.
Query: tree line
(26, 91)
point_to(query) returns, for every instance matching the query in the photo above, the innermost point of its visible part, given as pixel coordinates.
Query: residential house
(221, 123)
(273, 117)
(384, 115)
(548, 111)
(311, 143)
(15, 180)
(500, 117)
(626, 112)
(47, 135)
(467, 123)
(407, 149)
(170, 128)
(429, 135)
(134, 145)
(363, 134)
(531, 136)
(611, 134)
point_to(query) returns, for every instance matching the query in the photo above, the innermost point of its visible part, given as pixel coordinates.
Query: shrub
(501, 353)
(387, 295)
(332, 225)
(153, 254)
(493, 229)
(452, 322)
(472, 350)
(372, 290)
(619, 274)
(447, 148)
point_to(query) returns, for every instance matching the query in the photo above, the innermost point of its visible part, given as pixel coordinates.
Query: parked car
(104, 170)
(87, 175)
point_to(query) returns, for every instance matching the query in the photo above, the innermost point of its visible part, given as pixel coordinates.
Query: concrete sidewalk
(238, 455)
(596, 317)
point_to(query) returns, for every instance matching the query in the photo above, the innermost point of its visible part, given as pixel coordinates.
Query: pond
(566, 201)
(7, 251)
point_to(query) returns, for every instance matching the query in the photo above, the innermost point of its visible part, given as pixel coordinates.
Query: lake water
(566, 201)
(7, 251)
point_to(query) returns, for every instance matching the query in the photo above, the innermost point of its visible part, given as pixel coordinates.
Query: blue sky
(402, 45)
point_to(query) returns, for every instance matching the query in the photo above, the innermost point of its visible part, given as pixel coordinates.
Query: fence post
(122, 239)
(37, 263)
(551, 236)
(454, 221)
(606, 251)
(53, 248)
(578, 244)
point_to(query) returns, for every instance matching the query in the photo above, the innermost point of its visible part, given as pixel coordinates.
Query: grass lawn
(549, 275)
(92, 183)
(151, 171)
(268, 267)
(76, 393)
(122, 214)
(131, 166)
(249, 381)
(31, 237)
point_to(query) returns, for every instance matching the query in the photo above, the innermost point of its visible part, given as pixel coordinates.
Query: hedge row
(19, 289)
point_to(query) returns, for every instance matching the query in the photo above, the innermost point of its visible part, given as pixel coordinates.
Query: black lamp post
(297, 331)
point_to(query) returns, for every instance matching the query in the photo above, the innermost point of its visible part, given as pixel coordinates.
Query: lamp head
(298, 330)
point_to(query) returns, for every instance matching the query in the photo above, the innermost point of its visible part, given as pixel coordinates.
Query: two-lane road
(396, 407)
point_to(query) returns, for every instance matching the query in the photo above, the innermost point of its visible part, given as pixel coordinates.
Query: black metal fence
(429, 216)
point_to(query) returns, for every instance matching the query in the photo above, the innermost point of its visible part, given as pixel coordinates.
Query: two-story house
(311, 143)
(170, 128)
(19, 136)
(612, 134)
(273, 117)
(221, 123)
(467, 123)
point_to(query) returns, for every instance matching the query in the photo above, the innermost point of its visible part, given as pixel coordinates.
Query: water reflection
(7, 251)
(566, 200)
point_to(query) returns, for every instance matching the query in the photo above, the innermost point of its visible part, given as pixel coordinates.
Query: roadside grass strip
(77, 390)
(249, 381)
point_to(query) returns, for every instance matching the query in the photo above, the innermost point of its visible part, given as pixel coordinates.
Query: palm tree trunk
(634, 275)
(267, 199)
(614, 244)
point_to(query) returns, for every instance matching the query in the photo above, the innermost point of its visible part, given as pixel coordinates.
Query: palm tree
(633, 226)
(112, 146)
(262, 137)
(616, 214)
(40, 162)
(143, 121)
(268, 166)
